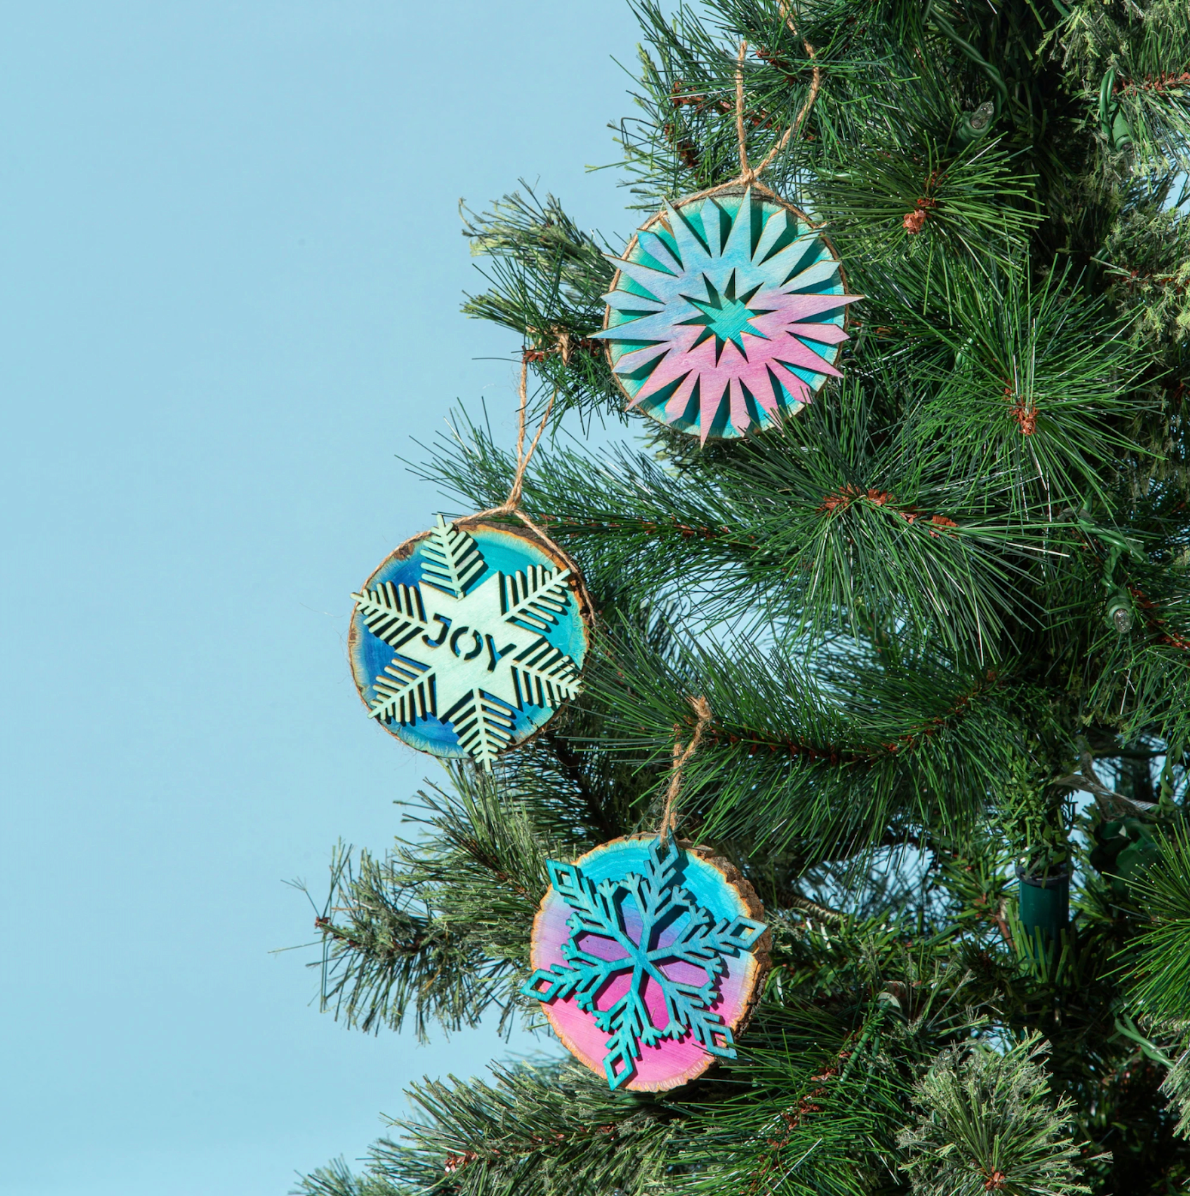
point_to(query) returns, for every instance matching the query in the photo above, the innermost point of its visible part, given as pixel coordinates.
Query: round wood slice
(727, 313)
(466, 640)
(716, 886)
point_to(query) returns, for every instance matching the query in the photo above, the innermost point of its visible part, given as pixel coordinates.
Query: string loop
(751, 174)
(512, 504)
(669, 819)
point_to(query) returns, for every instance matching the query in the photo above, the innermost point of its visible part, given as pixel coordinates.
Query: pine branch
(920, 612)
(537, 1125)
(440, 930)
(547, 278)
(336, 1179)
(788, 759)
(1159, 964)
(987, 1125)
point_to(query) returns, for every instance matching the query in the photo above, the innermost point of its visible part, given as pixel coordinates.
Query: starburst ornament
(464, 643)
(648, 959)
(726, 314)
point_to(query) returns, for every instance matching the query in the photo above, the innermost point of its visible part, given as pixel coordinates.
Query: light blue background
(230, 276)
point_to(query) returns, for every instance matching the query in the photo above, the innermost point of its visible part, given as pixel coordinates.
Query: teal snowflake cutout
(655, 923)
(468, 652)
(726, 313)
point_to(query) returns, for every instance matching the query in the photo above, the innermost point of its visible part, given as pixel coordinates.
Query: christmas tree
(917, 618)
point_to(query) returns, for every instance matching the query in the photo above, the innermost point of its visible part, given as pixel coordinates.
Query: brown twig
(819, 911)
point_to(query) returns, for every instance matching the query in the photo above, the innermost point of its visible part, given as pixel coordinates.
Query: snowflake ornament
(647, 960)
(463, 643)
(726, 313)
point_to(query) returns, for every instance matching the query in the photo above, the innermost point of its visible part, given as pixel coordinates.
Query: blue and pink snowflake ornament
(466, 640)
(726, 314)
(649, 957)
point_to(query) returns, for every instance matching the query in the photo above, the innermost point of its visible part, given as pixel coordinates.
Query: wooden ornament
(649, 957)
(465, 642)
(726, 313)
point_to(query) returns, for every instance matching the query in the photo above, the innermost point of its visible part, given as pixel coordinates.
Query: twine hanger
(669, 819)
(748, 176)
(751, 174)
(512, 504)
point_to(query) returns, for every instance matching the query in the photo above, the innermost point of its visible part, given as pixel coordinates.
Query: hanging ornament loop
(669, 819)
(659, 904)
(512, 504)
(741, 135)
(726, 311)
(748, 174)
(468, 638)
(751, 174)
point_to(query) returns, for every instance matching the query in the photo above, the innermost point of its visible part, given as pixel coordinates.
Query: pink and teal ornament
(726, 313)
(648, 959)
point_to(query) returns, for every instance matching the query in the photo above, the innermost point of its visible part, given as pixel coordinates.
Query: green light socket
(1045, 902)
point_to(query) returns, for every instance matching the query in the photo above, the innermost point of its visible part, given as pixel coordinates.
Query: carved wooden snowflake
(638, 926)
(467, 651)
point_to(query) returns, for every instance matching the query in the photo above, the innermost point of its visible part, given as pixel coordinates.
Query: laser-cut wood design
(648, 958)
(464, 643)
(726, 314)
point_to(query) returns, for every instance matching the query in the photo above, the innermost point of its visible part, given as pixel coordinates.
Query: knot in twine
(669, 819)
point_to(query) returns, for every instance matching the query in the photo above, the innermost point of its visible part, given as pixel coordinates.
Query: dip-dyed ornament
(464, 642)
(648, 959)
(726, 313)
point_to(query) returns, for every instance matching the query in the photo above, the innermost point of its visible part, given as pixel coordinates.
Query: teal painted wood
(726, 314)
(646, 959)
(465, 642)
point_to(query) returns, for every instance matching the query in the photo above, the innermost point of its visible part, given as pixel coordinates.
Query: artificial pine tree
(925, 611)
